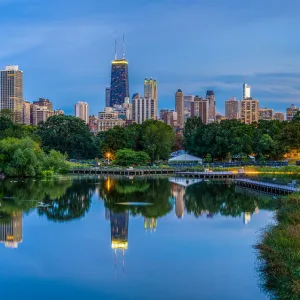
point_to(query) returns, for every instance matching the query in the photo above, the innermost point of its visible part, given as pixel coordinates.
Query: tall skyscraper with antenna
(119, 85)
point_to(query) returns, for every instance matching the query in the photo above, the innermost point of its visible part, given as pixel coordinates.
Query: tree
(68, 135)
(157, 139)
(296, 117)
(189, 131)
(127, 157)
(265, 145)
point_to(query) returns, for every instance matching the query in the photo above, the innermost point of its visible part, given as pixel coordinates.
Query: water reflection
(66, 199)
(11, 231)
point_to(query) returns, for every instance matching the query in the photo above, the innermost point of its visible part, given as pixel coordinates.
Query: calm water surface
(188, 241)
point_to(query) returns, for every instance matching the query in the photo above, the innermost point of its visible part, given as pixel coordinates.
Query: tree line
(232, 139)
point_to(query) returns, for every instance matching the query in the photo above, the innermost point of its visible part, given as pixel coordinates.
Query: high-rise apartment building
(26, 112)
(210, 97)
(57, 112)
(188, 99)
(44, 102)
(246, 91)
(278, 116)
(12, 91)
(82, 111)
(11, 233)
(107, 97)
(265, 114)
(143, 109)
(249, 111)
(232, 109)
(39, 114)
(200, 108)
(291, 111)
(179, 107)
(108, 119)
(170, 118)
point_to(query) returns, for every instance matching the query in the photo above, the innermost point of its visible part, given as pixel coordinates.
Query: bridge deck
(266, 186)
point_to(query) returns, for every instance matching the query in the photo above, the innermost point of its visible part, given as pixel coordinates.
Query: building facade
(278, 116)
(143, 109)
(44, 102)
(26, 113)
(200, 108)
(39, 114)
(150, 89)
(246, 91)
(249, 111)
(291, 111)
(210, 97)
(232, 109)
(107, 97)
(179, 108)
(11, 88)
(170, 118)
(119, 86)
(265, 114)
(82, 111)
(58, 112)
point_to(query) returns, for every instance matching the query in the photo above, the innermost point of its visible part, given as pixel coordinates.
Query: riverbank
(279, 251)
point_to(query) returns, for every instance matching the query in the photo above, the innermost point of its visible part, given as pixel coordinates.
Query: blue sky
(65, 48)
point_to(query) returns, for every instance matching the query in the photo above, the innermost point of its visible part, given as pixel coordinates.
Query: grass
(279, 252)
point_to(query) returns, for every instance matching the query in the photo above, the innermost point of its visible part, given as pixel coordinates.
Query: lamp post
(108, 155)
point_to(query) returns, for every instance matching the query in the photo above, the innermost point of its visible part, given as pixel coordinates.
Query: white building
(246, 91)
(82, 111)
(144, 109)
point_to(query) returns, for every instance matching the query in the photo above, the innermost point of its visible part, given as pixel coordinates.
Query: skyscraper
(107, 97)
(291, 111)
(232, 109)
(12, 91)
(210, 96)
(246, 91)
(265, 114)
(249, 111)
(119, 85)
(150, 88)
(179, 107)
(82, 111)
(199, 108)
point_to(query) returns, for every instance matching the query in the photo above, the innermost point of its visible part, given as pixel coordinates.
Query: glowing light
(119, 62)
(119, 245)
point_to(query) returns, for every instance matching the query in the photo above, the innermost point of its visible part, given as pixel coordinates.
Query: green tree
(190, 128)
(157, 139)
(68, 135)
(127, 157)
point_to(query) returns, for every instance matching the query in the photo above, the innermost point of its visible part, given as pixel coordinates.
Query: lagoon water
(67, 238)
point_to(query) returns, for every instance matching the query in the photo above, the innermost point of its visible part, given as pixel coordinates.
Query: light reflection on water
(194, 241)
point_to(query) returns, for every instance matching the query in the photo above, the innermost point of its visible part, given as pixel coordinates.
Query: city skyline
(74, 53)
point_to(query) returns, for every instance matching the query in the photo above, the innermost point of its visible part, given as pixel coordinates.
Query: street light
(108, 155)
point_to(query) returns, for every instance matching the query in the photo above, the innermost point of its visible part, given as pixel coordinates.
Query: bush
(128, 157)
(279, 252)
(24, 158)
(47, 173)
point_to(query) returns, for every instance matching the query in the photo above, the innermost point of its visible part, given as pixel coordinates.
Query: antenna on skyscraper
(123, 46)
(115, 45)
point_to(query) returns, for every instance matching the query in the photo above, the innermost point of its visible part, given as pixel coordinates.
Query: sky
(65, 48)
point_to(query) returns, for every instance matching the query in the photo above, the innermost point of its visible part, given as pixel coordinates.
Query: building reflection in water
(150, 224)
(119, 235)
(11, 233)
